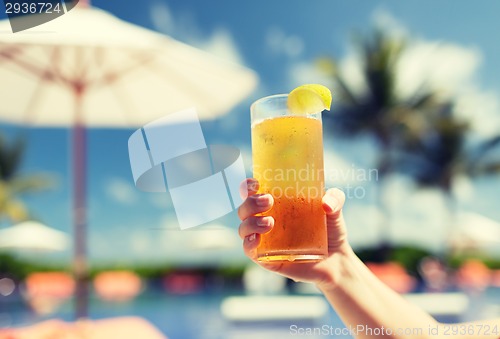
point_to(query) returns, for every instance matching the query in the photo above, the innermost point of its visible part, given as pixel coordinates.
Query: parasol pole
(80, 268)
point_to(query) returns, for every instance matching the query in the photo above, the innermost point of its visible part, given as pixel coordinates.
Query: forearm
(364, 303)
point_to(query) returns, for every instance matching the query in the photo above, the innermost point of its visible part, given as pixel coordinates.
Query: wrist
(336, 268)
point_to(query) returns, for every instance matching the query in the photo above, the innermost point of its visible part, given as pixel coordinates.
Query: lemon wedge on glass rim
(309, 99)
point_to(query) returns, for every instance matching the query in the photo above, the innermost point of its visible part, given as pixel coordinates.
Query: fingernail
(251, 237)
(263, 200)
(252, 185)
(331, 204)
(326, 206)
(264, 222)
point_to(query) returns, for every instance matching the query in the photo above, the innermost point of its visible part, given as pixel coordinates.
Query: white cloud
(338, 170)
(280, 43)
(162, 17)
(482, 110)
(128, 243)
(246, 154)
(417, 216)
(385, 20)
(160, 200)
(169, 222)
(121, 191)
(184, 26)
(448, 68)
(305, 72)
(396, 187)
(222, 44)
(103, 244)
(363, 224)
(463, 188)
(350, 162)
(208, 244)
(445, 67)
(144, 243)
(350, 69)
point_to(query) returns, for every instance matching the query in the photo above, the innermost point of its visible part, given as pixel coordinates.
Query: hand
(252, 226)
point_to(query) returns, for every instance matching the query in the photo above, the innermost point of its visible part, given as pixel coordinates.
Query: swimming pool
(198, 316)
(193, 316)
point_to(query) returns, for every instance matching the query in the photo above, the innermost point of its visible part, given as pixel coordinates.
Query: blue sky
(280, 40)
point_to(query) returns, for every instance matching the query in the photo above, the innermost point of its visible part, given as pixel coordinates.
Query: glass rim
(277, 103)
(269, 97)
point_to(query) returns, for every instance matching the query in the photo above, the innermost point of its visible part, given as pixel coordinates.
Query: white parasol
(32, 235)
(90, 69)
(475, 231)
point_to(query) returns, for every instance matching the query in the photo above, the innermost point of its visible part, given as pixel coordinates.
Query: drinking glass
(287, 152)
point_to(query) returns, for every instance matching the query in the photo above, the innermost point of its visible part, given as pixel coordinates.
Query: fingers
(250, 231)
(250, 244)
(248, 187)
(333, 202)
(252, 225)
(254, 204)
(255, 224)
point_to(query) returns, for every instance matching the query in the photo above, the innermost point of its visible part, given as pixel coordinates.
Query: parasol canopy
(128, 75)
(32, 235)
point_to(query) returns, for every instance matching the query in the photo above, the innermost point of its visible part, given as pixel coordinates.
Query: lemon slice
(309, 99)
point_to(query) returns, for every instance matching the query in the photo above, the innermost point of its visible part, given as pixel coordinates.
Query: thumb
(333, 202)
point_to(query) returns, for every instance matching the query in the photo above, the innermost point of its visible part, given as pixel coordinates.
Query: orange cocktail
(287, 153)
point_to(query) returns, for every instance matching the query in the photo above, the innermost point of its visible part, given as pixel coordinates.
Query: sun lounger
(123, 328)
(274, 308)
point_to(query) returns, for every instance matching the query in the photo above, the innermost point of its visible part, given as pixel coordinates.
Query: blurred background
(413, 139)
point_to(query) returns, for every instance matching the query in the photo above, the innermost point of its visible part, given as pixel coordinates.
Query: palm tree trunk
(384, 167)
(452, 217)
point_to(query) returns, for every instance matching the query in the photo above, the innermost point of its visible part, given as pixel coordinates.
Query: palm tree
(442, 154)
(12, 184)
(417, 135)
(392, 121)
(437, 158)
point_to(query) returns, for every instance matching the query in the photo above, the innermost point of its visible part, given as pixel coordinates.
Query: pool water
(198, 316)
(194, 316)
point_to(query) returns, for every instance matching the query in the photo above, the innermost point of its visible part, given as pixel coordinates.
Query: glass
(287, 152)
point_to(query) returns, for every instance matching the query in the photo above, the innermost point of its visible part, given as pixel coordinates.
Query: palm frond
(345, 95)
(11, 154)
(31, 184)
(15, 210)
(422, 100)
(486, 169)
(484, 148)
(12, 184)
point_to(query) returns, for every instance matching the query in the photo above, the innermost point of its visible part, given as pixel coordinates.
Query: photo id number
(32, 8)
